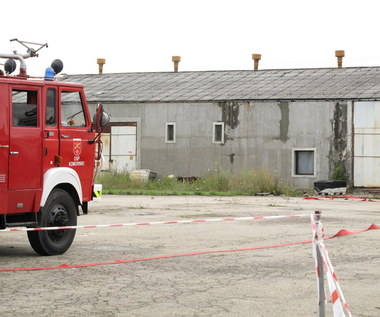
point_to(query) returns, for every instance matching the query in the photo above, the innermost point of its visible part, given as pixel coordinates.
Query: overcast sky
(143, 35)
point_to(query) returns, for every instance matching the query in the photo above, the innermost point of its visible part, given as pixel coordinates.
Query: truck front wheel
(59, 210)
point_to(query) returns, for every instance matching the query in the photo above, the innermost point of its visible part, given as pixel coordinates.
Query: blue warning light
(49, 73)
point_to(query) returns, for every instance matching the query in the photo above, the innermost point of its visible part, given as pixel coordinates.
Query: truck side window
(72, 114)
(24, 108)
(50, 107)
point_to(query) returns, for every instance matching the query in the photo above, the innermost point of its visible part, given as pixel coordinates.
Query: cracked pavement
(266, 282)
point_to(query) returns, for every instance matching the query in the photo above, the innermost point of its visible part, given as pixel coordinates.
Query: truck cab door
(25, 140)
(76, 137)
(25, 148)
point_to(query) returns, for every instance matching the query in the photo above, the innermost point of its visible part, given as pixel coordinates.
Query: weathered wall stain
(230, 117)
(232, 155)
(230, 113)
(284, 121)
(338, 142)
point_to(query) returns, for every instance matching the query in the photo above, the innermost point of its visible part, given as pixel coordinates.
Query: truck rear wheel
(59, 210)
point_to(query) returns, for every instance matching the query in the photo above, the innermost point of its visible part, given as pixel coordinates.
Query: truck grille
(2, 178)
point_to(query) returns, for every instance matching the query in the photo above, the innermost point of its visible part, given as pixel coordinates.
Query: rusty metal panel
(367, 172)
(367, 144)
(367, 117)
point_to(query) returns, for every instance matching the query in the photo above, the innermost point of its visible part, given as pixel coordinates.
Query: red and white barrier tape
(318, 234)
(338, 197)
(340, 233)
(334, 287)
(332, 279)
(153, 223)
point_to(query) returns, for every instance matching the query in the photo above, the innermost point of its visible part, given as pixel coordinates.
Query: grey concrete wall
(257, 135)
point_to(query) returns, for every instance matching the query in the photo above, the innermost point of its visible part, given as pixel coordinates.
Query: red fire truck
(48, 149)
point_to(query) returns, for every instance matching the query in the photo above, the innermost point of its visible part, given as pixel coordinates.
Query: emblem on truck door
(77, 146)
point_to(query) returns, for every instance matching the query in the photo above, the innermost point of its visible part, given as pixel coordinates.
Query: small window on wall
(304, 163)
(218, 133)
(170, 132)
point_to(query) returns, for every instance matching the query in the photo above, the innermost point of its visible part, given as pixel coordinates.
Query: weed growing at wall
(251, 182)
(339, 173)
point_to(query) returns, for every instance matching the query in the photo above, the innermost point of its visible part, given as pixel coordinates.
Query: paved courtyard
(265, 282)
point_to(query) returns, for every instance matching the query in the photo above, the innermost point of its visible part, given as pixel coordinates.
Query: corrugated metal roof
(354, 83)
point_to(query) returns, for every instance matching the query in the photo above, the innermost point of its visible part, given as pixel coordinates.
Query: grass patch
(222, 184)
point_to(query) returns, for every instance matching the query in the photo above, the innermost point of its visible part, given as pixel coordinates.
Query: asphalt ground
(265, 282)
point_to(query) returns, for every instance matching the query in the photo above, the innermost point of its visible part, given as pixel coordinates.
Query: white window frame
(294, 150)
(214, 125)
(166, 132)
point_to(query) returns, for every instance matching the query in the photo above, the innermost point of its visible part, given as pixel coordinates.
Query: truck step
(20, 220)
(30, 224)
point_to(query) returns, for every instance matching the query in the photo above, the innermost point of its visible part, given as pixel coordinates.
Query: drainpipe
(256, 58)
(176, 60)
(339, 55)
(101, 62)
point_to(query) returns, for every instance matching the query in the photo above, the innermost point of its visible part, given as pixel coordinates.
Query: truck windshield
(72, 114)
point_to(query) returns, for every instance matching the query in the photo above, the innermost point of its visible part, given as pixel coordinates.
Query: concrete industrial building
(301, 124)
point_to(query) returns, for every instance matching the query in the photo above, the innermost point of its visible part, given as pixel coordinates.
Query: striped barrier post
(335, 290)
(317, 236)
(324, 265)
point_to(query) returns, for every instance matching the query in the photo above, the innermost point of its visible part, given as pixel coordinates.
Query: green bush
(339, 173)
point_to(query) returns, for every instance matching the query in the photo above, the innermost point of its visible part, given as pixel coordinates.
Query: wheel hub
(58, 216)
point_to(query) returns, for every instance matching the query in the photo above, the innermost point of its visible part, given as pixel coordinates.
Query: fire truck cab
(48, 145)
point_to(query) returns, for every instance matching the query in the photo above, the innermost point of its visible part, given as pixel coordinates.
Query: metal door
(123, 148)
(367, 144)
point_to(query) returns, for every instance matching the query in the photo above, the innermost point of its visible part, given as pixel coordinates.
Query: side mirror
(101, 118)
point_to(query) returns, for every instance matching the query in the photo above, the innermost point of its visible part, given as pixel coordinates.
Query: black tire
(59, 210)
